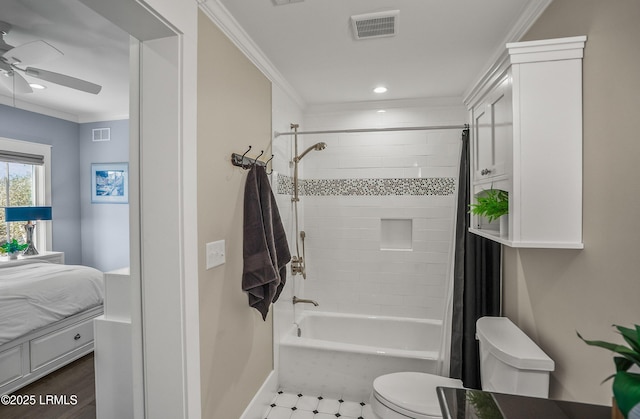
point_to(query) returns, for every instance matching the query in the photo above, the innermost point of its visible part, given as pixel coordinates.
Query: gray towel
(265, 248)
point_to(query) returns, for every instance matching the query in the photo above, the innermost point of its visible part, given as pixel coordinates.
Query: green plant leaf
(629, 354)
(622, 364)
(493, 204)
(626, 389)
(484, 404)
(12, 246)
(631, 336)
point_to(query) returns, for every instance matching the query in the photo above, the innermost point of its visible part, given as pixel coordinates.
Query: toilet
(510, 362)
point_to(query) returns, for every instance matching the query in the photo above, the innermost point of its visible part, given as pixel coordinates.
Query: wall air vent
(101, 134)
(375, 25)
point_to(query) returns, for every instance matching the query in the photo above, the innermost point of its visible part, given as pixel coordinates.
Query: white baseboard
(260, 402)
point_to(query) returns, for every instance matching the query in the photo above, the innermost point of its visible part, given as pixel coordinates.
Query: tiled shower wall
(361, 181)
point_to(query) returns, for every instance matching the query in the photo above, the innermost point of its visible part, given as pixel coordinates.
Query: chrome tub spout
(297, 300)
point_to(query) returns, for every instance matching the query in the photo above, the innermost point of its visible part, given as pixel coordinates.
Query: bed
(46, 318)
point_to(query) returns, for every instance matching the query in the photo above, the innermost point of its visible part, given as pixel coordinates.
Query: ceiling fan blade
(15, 82)
(32, 52)
(63, 80)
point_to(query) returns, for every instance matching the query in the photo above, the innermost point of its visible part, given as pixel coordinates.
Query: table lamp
(28, 214)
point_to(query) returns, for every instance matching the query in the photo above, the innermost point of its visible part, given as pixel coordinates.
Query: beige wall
(234, 111)
(553, 293)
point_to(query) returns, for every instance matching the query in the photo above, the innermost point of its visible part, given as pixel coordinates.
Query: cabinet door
(493, 129)
(483, 141)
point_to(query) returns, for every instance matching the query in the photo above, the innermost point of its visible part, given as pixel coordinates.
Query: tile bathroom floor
(308, 406)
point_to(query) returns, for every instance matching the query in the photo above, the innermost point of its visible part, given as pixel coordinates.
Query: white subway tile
(405, 311)
(380, 299)
(350, 273)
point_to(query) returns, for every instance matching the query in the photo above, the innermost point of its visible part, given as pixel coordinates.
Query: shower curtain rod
(356, 130)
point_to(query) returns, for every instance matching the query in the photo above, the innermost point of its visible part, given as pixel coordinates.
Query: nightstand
(51, 257)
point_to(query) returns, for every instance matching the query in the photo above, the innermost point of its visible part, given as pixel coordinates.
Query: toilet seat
(409, 395)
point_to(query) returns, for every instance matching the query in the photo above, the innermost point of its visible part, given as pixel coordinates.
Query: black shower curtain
(476, 282)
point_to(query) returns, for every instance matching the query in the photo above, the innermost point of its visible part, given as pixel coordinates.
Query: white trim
(78, 119)
(137, 350)
(219, 15)
(260, 402)
(26, 106)
(164, 289)
(500, 58)
(44, 231)
(547, 50)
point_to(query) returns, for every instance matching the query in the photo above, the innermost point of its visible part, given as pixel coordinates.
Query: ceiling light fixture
(381, 111)
(37, 86)
(380, 89)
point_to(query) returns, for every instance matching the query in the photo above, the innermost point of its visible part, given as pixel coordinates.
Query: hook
(256, 159)
(242, 158)
(267, 162)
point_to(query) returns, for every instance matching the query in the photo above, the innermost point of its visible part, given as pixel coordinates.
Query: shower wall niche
(378, 210)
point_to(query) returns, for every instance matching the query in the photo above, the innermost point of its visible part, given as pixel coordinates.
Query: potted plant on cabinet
(493, 204)
(12, 248)
(626, 385)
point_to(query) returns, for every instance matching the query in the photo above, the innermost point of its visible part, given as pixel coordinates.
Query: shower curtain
(476, 282)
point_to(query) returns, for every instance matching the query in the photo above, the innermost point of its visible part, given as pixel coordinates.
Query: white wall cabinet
(493, 133)
(527, 140)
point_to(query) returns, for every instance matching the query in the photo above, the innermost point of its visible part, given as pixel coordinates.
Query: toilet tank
(510, 362)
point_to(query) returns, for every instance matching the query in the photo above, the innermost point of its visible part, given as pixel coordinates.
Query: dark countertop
(460, 403)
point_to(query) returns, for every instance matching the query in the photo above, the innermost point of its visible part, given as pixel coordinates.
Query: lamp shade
(27, 213)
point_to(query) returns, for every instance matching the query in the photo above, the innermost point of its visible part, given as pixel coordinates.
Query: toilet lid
(412, 392)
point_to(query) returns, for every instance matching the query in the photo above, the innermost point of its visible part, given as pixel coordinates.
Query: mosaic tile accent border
(368, 187)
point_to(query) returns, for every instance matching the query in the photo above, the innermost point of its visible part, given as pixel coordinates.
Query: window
(24, 181)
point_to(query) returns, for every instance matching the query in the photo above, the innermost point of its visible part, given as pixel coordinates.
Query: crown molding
(499, 61)
(54, 113)
(31, 107)
(232, 29)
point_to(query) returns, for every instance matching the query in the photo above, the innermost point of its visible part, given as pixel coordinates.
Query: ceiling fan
(14, 61)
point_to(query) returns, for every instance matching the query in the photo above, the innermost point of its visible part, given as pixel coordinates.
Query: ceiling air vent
(375, 25)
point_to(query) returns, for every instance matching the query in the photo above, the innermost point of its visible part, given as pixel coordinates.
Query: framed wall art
(110, 183)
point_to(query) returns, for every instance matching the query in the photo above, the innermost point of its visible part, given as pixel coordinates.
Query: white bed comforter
(35, 294)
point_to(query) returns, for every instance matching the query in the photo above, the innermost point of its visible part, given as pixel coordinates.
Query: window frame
(42, 184)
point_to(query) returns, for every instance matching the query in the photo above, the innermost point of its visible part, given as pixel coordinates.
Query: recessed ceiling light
(380, 89)
(37, 86)
(381, 111)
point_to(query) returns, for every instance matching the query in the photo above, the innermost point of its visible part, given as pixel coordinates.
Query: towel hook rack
(241, 160)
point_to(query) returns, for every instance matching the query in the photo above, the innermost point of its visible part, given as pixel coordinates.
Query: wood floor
(75, 381)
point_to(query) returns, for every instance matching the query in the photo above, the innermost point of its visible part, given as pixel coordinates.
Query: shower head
(316, 147)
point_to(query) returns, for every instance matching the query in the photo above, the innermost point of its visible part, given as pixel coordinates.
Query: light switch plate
(215, 254)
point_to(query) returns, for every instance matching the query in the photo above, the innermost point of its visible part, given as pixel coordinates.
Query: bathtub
(340, 354)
